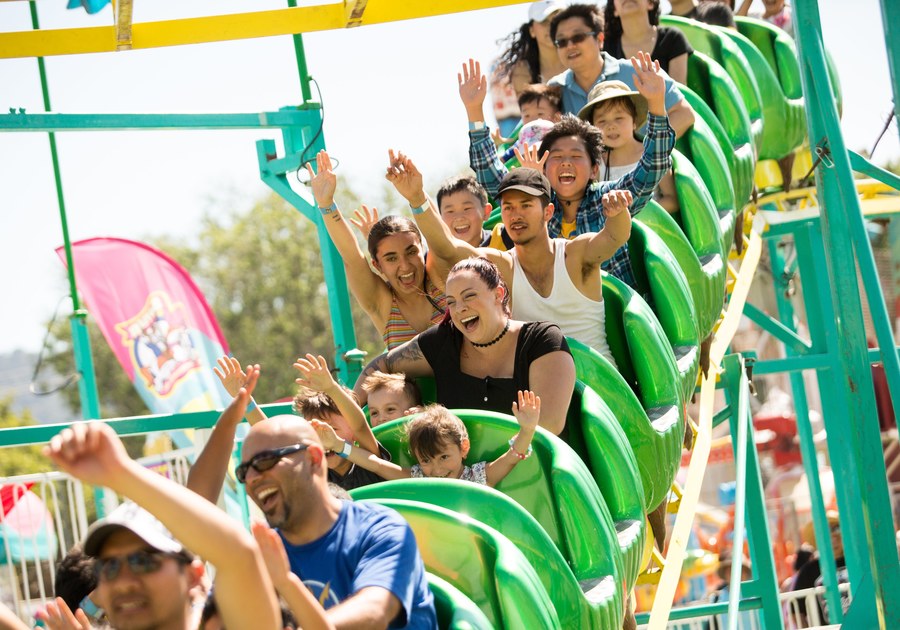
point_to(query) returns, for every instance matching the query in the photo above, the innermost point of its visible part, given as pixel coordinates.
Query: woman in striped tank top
(405, 297)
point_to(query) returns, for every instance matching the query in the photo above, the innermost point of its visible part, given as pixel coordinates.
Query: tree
(261, 273)
(19, 460)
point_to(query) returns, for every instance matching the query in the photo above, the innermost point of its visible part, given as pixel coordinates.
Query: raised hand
(323, 182)
(273, 553)
(527, 410)
(230, 373)
(58, 616)
(314, 373)
(529, 157)
(89, 451)
(498, 138)
(330, 440)
(472, 86)
(364, 218)
(406, 178)
(616, 202)
(650, 82)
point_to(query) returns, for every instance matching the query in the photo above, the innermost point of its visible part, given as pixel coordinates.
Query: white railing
(27, 582)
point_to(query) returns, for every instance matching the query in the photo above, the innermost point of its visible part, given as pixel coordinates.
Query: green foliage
(261, 273)
(19, 460)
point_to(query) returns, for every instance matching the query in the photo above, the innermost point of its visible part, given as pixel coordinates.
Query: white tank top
(577, 315)
(612, 173)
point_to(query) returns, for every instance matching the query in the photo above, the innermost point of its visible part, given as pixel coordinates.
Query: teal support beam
(23, 122)
(84, 363)
(867, 523)
(865, 166)
(750, 506)
(348, 359)
(132, 425)
(805, 435)
(890, 18)
(777, 329)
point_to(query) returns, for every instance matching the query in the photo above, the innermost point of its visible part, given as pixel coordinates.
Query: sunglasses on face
(265, 460)
(576, 39)
(139, 562)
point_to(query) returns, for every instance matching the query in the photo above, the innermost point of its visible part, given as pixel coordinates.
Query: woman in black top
(633, 25)
(480, 357)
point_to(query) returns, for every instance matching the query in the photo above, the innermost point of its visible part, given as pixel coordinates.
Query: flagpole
(84, 364)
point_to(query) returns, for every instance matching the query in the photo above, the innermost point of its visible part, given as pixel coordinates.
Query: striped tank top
(398, 331)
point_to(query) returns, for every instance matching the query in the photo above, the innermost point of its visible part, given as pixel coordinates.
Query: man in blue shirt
(577, 32)
(360, 560)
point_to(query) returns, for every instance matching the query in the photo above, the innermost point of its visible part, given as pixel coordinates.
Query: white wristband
(345, 452)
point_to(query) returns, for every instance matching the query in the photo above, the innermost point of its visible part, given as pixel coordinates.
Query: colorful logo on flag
(160, 343)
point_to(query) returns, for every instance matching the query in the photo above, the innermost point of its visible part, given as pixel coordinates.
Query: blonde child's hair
(309, 403)
(433, 428)
(381, 380)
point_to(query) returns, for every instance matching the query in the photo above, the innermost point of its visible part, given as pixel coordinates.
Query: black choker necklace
(496, 339)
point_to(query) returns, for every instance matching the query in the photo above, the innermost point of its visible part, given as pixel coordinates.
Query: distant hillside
(15, 375)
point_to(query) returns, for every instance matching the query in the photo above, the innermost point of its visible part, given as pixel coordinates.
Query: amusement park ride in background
(563, 542)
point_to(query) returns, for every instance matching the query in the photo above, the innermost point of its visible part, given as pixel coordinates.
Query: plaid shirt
(655, 162)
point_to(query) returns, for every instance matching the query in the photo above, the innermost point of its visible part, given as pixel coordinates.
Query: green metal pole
(300, 53)
(890, 18)
(869, 517)
(804, 430)
(84, 364)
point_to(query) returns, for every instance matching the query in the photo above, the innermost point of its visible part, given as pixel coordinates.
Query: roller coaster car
(455, 611)
(596, 603)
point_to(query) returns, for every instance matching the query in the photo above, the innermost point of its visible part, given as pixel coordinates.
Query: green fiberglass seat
(740, 165)
(703, 146)
(455, 611)
(705, 279)
(653, 436)
(658, 276)
(711, 42)
(599, 607)
(715, 88)
(698, 216)
(554, 486)
(480, 562)
(782, 103)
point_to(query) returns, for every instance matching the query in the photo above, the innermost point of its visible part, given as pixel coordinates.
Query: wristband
(420, 209)
(345, 452)
(329, 209)
(251, 405)
(521, 456)
(476, 125)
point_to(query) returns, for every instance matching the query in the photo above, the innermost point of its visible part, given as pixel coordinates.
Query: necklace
(496, 339)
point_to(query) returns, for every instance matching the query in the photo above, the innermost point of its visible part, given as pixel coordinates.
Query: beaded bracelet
(521, 456)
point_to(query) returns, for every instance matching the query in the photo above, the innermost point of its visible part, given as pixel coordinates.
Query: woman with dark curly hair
(529, 55)
(633, 25)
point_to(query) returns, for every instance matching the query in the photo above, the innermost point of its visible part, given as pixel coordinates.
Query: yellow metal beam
(217, 28)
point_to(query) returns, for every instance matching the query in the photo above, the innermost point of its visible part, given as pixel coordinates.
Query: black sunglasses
(264, 460)
(139, 562)
(577, 38)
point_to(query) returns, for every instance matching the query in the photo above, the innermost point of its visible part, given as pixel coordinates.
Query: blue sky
(383, 86)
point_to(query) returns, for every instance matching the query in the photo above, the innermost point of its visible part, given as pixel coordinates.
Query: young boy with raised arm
(570, 157)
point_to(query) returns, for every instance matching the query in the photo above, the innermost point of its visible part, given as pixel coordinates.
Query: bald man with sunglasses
(359, 560)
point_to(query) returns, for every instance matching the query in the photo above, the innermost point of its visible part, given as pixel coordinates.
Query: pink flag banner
(156, 321)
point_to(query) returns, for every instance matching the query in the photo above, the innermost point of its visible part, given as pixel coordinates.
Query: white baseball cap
(540, 11)
(138, 521)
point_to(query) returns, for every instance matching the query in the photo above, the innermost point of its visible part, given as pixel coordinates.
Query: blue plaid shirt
(655, 162)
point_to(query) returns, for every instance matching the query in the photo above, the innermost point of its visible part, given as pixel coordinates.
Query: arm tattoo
(409, 351)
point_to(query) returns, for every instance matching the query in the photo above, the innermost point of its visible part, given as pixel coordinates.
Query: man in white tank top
(549, 279)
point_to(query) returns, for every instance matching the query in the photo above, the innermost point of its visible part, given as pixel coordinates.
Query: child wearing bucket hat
(618, 112)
